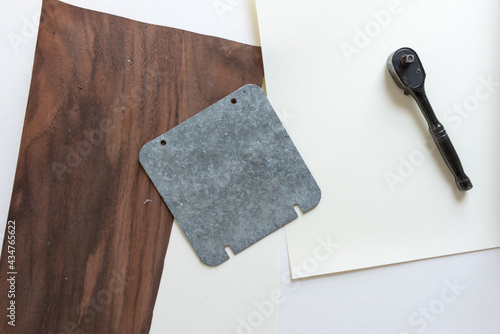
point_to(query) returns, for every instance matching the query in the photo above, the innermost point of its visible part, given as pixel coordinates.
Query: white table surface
(456, 294)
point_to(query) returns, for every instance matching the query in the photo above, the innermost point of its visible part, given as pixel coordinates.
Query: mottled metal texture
(231, 175)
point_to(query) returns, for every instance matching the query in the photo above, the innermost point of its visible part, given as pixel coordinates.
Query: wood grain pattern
(91, 229)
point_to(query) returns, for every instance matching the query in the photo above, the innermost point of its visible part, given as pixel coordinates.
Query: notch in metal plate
(230, 175)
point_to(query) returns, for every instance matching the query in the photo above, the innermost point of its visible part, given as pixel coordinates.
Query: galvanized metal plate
(230, 175)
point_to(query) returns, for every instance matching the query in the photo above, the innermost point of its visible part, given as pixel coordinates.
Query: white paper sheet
(458, 294)
(240, 296)
(388, 196)
(236, 296)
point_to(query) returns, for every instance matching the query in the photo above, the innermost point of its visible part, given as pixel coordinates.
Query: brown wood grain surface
(91, 231)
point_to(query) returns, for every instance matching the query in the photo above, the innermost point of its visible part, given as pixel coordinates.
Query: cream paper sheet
(388, 196)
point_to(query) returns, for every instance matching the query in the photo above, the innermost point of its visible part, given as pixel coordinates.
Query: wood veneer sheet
(91, 231)
(233, 20)
(388, 196)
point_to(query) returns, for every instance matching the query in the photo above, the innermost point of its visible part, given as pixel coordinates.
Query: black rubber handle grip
(443, 142)
(450, 156)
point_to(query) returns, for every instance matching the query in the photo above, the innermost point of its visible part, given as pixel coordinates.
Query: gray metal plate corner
(230, 175)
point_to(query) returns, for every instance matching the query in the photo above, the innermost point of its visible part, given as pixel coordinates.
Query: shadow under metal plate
(230, 175)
